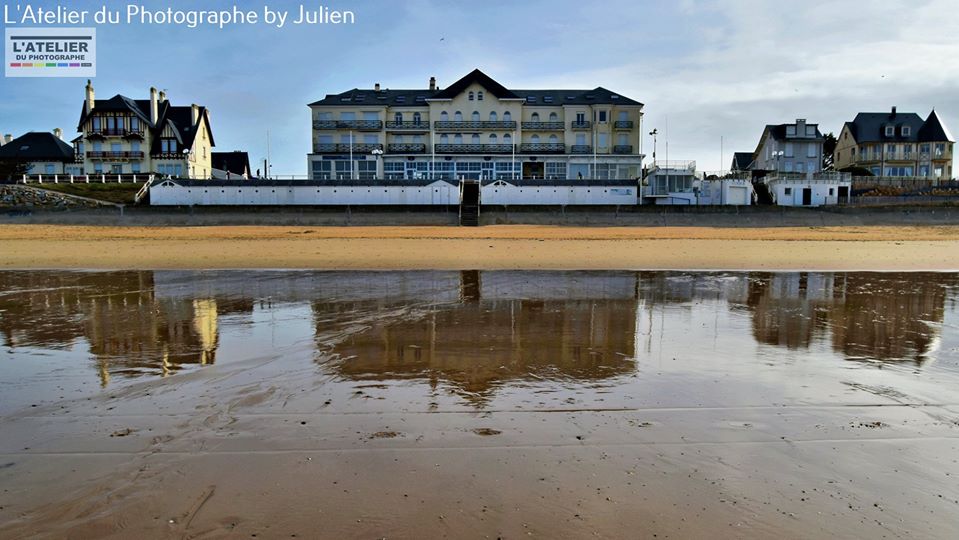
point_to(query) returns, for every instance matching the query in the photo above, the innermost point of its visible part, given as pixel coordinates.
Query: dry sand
(484, 248)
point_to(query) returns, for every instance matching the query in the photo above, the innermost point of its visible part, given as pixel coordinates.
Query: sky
(711, 73)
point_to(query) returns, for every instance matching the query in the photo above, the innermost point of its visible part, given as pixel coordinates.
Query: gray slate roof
(871, 127)
(400, 98)
(37, 146)
(742, 161)
(180, 118)
(235, 162)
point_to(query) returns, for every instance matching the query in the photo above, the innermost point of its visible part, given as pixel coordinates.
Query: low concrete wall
(627, 216)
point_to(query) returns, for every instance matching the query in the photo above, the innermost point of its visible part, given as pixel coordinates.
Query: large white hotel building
(476, 129)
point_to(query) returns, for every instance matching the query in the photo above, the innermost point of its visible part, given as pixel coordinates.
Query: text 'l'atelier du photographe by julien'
(28, 14)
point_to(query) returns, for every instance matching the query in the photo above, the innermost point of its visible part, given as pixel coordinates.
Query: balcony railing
(544, 126)
(419, 126)
(167, 155)
(406, 148)
(358, 148)
(623, 124)
(586, 124)
(542, 148)
(623, 149)
(580, 149)
(475, 124)
(359, 125)
(97, 154)
(474, 148)
(114, 132)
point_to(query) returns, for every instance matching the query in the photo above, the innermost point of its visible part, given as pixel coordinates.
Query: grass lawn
(116, 193)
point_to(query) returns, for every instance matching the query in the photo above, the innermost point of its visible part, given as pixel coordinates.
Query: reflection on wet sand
(481, 344)
(475, 331)
(886, 317)
(129, 331)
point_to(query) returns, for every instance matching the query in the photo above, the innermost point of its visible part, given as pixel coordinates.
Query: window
(602, 116)
(492, 116)
(457, 139)
(371, 139)
(553, 117)
(890, 131)
(800, 167)
(398, 118)
(97, 147)
(417, 118)
(891, 150)
(555, 170)
(810, 131)
(476, 138)
(476, 116)
(831, 191)
(457, 116)
(479, 95)
(134, 124)
(580, 118)
(347, 116)
(346, 138)
(622, 139)
(371, 116)
(787, 191)
(906, 131)
(602, 140)
(535, 117)
(444, 116)
(507, 139)
(534, 139)
(444, 139)
(940, 151)
(324, 116)
(907, 150)
(553, 139)
(48, 168)
(471, 96)
(580, 139)
(790, 130)
(789, 149)
(135, 167)
(96, 123)
(623, 116)
(492, 138)
(811, 150)
(135, 146)
(417, 139)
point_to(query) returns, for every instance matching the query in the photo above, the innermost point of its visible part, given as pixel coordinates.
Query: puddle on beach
(768, 400)
(477, 339)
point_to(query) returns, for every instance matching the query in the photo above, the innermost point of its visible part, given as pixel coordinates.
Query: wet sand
(484, 248)
(479, 404)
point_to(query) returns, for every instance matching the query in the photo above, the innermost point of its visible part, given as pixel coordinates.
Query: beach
(900, 247)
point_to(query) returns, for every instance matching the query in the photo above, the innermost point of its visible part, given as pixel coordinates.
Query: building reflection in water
(870, 316)
(472, 332)
(129, 331)
(506, 329)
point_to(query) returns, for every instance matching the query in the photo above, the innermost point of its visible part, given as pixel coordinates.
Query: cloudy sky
(712, 73)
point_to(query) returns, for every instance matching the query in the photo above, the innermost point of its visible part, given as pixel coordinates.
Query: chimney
(376, 87)
(58, 133)
(432, 83)
(89, 95)
(154, 106)
(800, 127)
(195, 113)
(7, 139)
(162, 96)
(893, 111)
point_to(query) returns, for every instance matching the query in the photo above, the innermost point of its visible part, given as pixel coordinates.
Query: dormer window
(790, 130)
(906, 131)
(890, 131)
(167, 146)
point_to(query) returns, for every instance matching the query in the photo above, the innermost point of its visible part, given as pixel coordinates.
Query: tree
(828, 149)
(11, 169)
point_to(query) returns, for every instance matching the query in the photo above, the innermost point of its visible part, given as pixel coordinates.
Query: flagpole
(352, 165)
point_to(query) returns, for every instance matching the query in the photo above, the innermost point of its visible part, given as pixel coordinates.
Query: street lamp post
(653, 133)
